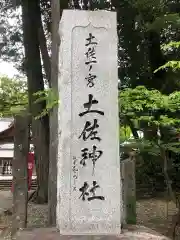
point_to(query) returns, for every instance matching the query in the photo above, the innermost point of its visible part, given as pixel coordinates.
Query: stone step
(6, 184)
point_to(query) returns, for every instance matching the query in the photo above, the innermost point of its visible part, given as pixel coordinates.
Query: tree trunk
(20, 176)
(41, 132)
(40, 127)
(44, 53)
(133, 129)
(156, 60)
(52, 196)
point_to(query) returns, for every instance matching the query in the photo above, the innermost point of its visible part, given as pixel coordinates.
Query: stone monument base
(129, 233)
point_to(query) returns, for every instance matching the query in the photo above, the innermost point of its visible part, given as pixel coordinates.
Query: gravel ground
(37, 215)
(151, 213)
(157, 215)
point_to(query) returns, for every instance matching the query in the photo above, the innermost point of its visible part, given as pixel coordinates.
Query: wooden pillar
(20, 174)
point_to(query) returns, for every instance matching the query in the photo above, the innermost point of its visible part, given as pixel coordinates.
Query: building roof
(6, 127)
(5, 123)
(6, 130)
(7, 138)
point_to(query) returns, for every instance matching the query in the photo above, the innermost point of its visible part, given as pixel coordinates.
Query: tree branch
(133, 129)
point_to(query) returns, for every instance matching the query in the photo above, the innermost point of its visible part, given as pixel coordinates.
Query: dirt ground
(153, 213)
(157, 215)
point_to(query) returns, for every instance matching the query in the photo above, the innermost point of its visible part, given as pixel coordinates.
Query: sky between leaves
(7, 69)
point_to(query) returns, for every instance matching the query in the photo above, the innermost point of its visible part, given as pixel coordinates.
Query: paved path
(133, 233)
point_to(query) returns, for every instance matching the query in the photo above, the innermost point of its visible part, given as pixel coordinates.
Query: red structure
(7, 137)
(30, 169)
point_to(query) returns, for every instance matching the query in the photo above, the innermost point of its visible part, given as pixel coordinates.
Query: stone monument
(128, 191)
(88, 180)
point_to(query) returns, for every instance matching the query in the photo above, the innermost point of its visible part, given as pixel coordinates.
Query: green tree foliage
(157, 116)
(173, 64)
(125, 133)
(143, 26)
(14, 96)
(11, 40)
(50, 97)
(145, 107)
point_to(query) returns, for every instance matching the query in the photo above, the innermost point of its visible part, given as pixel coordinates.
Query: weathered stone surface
(88, 161)
(128, 191)
(131, 233)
